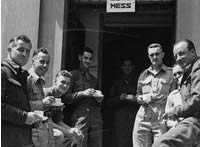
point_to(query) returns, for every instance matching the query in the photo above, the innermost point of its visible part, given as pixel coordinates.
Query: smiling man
(86, 102)
(16, 118)
(187, 132)
(45, 134)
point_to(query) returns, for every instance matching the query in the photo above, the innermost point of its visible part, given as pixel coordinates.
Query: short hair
(64, 73)
(155, 45)
(37, 51)
(190, 44)
(86, 49)
(13, 41)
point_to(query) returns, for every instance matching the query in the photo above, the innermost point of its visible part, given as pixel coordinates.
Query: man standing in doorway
(154, 85)
(86, 101)
(187, 132)
(123, 103)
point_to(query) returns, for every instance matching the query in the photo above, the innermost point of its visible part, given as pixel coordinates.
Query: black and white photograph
(100, 73)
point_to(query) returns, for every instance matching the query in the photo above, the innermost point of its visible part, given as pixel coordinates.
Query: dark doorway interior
(132, 42)
(129, 42)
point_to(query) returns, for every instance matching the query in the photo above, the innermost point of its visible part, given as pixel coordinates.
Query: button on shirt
(155, 87)
(35, 88)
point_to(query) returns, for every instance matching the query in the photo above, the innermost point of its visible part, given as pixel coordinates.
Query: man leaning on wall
(16, 118)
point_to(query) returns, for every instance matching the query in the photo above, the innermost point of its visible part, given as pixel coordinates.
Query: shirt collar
(163, 68)
(36, 78)
(83, 70)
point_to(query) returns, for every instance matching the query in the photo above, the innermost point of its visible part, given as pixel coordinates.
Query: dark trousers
(123, 126)
(90, 122)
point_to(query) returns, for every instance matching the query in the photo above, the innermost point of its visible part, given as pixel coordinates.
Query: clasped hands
(93, 93)
(32, 118)
(48, 101)
(129, 97)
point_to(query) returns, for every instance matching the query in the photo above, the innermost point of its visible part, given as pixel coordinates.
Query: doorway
(128, 36)
(119, 43)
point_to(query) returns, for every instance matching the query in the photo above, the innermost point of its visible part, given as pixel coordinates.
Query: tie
(86, 79)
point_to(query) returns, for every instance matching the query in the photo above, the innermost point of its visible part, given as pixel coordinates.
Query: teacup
(39, 113)
(58, 100)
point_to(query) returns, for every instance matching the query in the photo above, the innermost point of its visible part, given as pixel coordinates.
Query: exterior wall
(51, 34)
(91, 19)
(188, 21)
(19, 17)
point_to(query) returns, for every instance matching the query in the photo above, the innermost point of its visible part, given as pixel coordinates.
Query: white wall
(51, 34)
(188, 21)
(19, 17)
(91, 19)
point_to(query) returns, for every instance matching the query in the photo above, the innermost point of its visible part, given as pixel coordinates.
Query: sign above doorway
(120, 6)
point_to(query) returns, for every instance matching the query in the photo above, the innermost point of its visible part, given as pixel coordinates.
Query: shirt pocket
(146, 85)
(37, 93)
(164, 86)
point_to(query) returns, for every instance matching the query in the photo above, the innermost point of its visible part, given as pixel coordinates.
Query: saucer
(44, 118)
(58, 104)
(129, 97)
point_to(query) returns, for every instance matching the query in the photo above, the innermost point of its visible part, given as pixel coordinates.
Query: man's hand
(77, 132)
(99, 99)
(48, 101)
(32, 118)
(122, 96)
(169, 115)
(77, 136)
(130, 97)
(88, 92)
(98, 96)
(140, 100)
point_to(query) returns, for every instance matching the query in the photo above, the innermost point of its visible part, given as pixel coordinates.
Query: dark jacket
(14, 108)
(76, 103)
(123, 85)
(190, 92)
(80, 81)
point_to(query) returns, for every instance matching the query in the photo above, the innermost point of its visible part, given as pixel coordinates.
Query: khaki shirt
(155, 87)
(35, 89)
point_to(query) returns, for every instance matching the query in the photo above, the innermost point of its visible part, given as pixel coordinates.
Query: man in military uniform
(154, 85)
